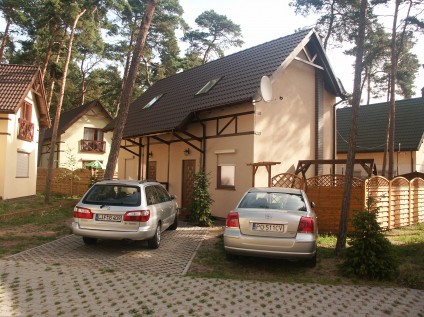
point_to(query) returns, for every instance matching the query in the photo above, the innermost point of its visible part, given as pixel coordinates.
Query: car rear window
(273, 200)
(113, 195)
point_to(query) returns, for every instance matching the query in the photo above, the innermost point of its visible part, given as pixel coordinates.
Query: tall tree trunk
(4, 40)
(127, 66)
(47, 191)
(342, 233)
(49, 101)
(125, 98)
(392, 109)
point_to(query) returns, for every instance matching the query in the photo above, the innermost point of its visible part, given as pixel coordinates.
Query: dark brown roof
(240, 75)
(15, 83)
(68, 118)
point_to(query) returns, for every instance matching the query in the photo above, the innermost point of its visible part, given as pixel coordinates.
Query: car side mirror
(312, 204)
(173, 197)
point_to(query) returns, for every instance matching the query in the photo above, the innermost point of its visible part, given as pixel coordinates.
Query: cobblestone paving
(172, 257)
(112, 278)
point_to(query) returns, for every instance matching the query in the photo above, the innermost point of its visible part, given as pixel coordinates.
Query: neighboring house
(215, 116)
(371, 139)
(81, 139)
(23, 111)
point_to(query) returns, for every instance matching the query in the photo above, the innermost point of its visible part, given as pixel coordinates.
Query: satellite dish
(266, 88)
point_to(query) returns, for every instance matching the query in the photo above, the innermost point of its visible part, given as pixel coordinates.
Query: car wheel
(89, 241)
(175, 223)
(312, 262)
(154, 242)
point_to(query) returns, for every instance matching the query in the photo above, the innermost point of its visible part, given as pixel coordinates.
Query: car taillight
(137, 215)
(80, 212)
(306, 225)
(233, 220)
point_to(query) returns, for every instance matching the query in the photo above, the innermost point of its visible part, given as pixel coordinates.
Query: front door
(189, 171)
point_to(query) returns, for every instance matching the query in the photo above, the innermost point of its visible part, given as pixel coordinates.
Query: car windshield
(273, 200)
(113, 195)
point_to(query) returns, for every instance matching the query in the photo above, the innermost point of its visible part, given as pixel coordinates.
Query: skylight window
(152, 102)
(206, 88)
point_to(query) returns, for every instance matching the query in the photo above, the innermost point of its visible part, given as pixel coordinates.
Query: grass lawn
(29, 222)
(211, 261)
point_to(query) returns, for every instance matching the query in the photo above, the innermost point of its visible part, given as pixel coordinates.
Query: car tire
(154, 242)
(89, 241)
(174, 225)
(312, 262)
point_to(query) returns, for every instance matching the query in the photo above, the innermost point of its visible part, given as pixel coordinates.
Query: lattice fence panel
(378, 188)
(417, 200)
(287, 180)
(399, 202)
(327, 193)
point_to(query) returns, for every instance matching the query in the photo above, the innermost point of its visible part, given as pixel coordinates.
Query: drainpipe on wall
(335, 133)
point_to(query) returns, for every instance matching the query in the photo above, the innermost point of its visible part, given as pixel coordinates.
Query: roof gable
(372, 122)
(68, 118)
(15, 83)
(239, 79)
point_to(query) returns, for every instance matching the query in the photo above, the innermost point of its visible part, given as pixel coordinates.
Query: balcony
(92, 146)
(26, 130)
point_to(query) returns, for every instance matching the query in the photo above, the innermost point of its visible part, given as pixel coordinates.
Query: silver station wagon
(122, 209)
(273, 222)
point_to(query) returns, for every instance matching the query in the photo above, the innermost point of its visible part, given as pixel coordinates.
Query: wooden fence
(67, 182)
(400, 202)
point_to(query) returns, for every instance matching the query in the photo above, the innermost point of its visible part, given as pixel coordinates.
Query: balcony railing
(92, 146)
(26, 130)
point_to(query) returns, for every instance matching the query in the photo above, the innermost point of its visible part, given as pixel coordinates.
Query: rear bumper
(303, 246)
(143, 233)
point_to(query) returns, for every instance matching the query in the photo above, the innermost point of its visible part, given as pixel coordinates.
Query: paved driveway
(67, 278)
(172, 257)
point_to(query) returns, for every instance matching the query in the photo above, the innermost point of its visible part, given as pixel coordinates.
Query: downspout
(147, 156)
(203, 165)
(140, 159)
(335, 134)
(169, 165)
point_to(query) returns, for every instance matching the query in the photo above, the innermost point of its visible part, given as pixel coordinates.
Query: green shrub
(201, 201)
(370, 254)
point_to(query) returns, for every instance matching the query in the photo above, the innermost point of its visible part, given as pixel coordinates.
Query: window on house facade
(210, 84)
(22, 165)
(93, 141)
(153, 101)
(26, 127)
(226, 176)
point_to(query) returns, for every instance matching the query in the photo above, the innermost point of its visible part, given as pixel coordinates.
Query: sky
(266, 20)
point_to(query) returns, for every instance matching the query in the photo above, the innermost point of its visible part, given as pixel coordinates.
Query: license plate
(268, 227)
(111, 218)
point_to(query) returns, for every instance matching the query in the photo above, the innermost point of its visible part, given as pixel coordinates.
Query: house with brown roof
(270, 103)
(80, 137)
(371, 139)
(23, 111)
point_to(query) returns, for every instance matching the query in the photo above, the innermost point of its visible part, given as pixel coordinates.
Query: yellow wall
(10, 185)
(285, 126)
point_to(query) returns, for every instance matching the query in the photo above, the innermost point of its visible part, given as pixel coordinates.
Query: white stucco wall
(12, 186)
